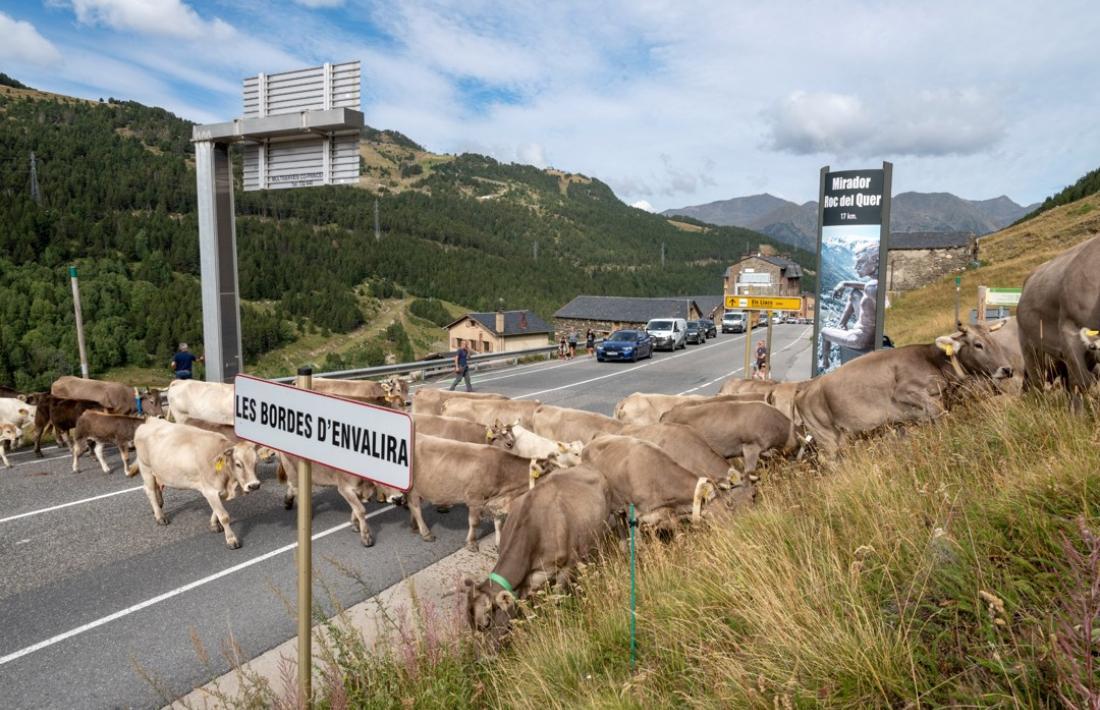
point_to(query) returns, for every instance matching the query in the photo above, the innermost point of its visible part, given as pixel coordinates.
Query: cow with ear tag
(896, 386)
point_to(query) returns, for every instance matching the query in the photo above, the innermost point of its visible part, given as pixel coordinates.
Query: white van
(733, 322)
(670, 333)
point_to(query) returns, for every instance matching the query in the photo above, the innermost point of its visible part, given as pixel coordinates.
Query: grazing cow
(663, 492)
(392, 393)
(183, 456)
(641, 408)
(896, 386)
(745, 429)
(10, 435)
(103, 428)
(1060, 299)
(782, 396)
(1091, 340)
(450, 428)
(352, 489)
(483, 478)
(487, 411)
(1006, 333)
(526, 443)
(686, 447)
(61, 415)
(565, 424)
(549, 531)
(430, 400)
(739, 385)
(114, 397)
(195, 399)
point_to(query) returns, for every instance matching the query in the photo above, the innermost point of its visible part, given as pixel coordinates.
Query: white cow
(183, 456)
(11, 435)
(16, 412)
(526, 443)
(194, 399)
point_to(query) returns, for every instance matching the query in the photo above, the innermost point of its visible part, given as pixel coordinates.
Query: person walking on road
(590, 342)
(761, 361)
(572, 344)
(183, 363)
(462, 366)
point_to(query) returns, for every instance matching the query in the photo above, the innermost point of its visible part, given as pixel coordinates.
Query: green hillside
(1088, 184)
(116, 181)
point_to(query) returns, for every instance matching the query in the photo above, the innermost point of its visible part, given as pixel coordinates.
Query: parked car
(668, 333)
(711, 330)
(733, 322)
(631, 345)
(696, 333)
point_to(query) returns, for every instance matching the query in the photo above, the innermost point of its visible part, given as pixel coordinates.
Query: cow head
(540, 468)
(1091, 339)
(567, 455)
(240, 459)
(150, 403)
(489, 608)
(500, 434)
(396, 392)
(11, 434)
(972, 351)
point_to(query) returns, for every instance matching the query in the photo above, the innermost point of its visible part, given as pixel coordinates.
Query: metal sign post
(748, 347)
(768, 350)
(79, 323)
(305, 565)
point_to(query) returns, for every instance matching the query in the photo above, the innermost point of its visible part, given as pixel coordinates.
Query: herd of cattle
(558, 478)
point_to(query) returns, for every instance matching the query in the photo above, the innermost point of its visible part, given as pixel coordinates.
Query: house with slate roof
(605, 314)
(919, 258)
(503, 331)
(763, 276)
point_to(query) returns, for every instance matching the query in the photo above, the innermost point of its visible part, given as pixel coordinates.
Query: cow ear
(950, 344)
(562, 447)
(496, 423)
(387, 387)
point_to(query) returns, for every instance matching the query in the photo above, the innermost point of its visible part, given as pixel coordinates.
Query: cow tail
(133, 468)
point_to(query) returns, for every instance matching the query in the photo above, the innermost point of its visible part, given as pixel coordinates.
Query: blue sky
(671, 103)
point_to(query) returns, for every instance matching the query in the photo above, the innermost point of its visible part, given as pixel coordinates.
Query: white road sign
(368, 441)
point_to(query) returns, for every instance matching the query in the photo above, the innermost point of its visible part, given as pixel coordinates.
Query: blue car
(632, 345)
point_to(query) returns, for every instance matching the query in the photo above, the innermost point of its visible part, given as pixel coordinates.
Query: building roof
(790, 269)
(624, 309)
(515, 323)
(930, 240)
(708, 303)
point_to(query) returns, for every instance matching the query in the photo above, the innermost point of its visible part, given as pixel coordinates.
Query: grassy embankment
(1007, 257)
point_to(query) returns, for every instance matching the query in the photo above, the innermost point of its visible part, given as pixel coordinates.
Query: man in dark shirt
(183, 362)
(462, 367)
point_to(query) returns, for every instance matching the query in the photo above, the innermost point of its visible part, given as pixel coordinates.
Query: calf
(430, 400)
(738, 429)
(549, 531)
(16, 412)
(565, 424)
(102, 428)
(61, 415)
(451, 428)
(10, 435)
(184, 456)
(483, 478)
(488, 411)
(352, 489)
(526, 443)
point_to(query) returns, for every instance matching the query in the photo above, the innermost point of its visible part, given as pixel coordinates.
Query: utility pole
(36, 195)
(79, 323)
(662, 255)
(377, 227)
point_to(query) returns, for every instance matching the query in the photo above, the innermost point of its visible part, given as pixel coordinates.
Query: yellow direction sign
(764, 303)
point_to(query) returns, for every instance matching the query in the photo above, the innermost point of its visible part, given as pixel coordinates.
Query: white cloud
(23, 43)
(314, 4)
(643, 205)
(171, 18)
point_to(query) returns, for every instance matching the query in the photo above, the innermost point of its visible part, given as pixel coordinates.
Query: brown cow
(451, 428)
(61, 415)
(352, 489)
(483, 478)
(430, 400)
(392, 393)
(687, 448)
(565, 424)
(896, 386)
(114, 397)
(488, 411)
(739, 385)
(549, 531)
(103, 428)
(6, 391)
(1060, 299)
(738, 429)
(644, 408)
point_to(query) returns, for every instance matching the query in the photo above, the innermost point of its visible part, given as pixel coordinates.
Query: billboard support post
(305, 565)
(817, 300)
(748, 347)
(768, 350)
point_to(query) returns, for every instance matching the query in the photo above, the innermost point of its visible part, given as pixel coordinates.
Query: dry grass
(686, 227)
(1007, 258)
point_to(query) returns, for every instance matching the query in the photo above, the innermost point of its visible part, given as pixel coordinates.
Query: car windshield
(627, 335)
(733, 316)
(660, 325)
(692, 325)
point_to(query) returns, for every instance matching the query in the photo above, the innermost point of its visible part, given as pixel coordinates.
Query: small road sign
(764, 303)
(362, 439)
(1002, 296)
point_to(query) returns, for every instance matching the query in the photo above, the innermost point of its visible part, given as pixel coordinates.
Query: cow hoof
(368, 541)
(162, 520)
(428, 538)
(39, 454)
(472, 547)
(233, 544)
(288, 503)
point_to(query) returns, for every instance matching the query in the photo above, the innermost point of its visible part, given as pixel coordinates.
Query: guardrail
(439, 365)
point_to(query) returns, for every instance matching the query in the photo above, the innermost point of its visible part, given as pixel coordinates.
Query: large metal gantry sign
(300, 129)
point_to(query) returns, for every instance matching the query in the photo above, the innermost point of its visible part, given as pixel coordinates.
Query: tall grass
(923, 568)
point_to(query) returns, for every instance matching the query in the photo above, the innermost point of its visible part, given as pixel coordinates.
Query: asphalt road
(101, 607)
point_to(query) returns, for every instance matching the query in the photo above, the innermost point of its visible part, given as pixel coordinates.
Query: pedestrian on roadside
(761, 361)
(572, 344)
(462, 366)
(562, 348)
(590, 342)
(183, 363)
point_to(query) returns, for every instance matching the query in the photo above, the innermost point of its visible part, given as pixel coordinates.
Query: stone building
(503, 331)
(764, 276)
(604, 314)
(919, 258)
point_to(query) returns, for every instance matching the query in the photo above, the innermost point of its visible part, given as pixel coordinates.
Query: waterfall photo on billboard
(849, 293)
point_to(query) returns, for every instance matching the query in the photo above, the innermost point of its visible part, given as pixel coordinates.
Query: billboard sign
(853, 239)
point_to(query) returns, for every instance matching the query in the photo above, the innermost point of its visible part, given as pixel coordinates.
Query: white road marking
(68, 455)
(512, 372)
(66, 505)
(172, 593)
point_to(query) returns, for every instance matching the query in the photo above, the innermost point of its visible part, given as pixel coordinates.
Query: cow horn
(997, 326)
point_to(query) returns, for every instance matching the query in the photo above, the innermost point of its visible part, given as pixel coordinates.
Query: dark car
(632, 345)
(709, 327)
(696, 333)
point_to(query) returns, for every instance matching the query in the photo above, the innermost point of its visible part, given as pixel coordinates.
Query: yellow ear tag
(948, 348)
(219, 464)
(1093, 333)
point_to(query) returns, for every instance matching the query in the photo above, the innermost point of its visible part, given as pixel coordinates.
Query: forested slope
(117, 197)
